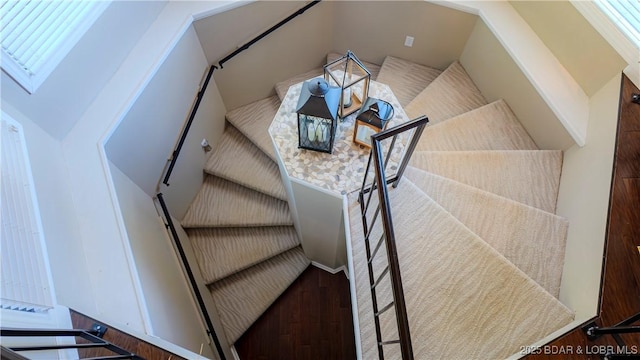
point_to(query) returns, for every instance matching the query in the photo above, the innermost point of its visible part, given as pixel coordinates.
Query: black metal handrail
(267, 32)
(192, 280)
(185, 130)
(12, 352)
(594, 331)
(380, 182)
(171, 161)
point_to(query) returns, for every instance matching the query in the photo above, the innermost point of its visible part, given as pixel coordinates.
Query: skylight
(625, 14)
(37, 34)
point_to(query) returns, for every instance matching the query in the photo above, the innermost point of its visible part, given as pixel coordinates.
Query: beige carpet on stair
(490, 127)
(529, 177)
(224, 251)
(223, 203)
(451, 94)
(283, 86)
(532, 239)
(464, 299)
(405, 78)
(253, 121)
(241, 298)
(236, 159)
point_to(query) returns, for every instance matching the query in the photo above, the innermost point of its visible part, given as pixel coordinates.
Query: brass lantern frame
(353, 78)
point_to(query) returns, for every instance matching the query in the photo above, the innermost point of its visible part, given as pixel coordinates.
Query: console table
(316, 183)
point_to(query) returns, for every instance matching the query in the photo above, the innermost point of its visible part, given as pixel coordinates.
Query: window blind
(626, 14)
(25, 278)
(37, 34)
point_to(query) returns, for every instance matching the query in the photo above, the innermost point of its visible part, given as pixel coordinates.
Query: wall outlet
(408, 41)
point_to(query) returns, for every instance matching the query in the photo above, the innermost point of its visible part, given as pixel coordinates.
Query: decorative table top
(343, 170)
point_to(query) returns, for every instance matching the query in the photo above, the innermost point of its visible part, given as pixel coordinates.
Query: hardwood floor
(311, 320)
(620, 288)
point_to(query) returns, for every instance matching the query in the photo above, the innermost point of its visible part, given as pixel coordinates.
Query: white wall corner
(626, 48)
(552, 81)
(106, 243)
(332, 271)
(352, 278)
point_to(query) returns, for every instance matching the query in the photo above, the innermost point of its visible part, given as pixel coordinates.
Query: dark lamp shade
(317, 115)
(372, 118)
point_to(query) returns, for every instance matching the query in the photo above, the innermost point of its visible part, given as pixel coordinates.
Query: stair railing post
(411, 148)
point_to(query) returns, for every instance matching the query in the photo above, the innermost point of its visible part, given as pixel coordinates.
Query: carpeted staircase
(239, 223)
(481, 250)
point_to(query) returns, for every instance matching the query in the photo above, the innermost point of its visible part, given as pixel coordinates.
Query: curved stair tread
(237, 159)
(242, 297)
(406, 78)
(486, 308)
(450, 94)
(253, 121)
(490, 127)
(221, 252)
(531, 177)
(283, 86)
(223, 203)
(531, 239)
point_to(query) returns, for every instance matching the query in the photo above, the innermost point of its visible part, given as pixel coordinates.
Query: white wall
(62, 99)
(574, 41)
(586, 175)
(297, 47)
(378, 29)
(115, 281)
(320, 224)
(584, 199)
(372, 31)
(187, 175)
(497, 76)
(173, 313)
(146, 136)
(59, 222)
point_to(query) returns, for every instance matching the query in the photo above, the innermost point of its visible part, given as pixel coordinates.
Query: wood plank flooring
(311, 320)
(620, 288)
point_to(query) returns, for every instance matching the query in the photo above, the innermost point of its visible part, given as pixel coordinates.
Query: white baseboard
(330, 270)
(234, 352)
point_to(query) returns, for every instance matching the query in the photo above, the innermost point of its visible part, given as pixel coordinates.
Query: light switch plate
(408, 41)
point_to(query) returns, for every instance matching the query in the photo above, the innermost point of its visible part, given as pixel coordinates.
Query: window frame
(30, 81)
(620, 20)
